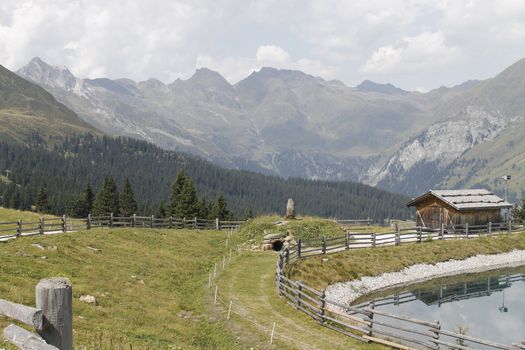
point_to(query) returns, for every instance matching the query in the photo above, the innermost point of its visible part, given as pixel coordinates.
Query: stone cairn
(290, 209)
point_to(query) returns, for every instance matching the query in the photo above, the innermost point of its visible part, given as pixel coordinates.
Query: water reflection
(488, 305)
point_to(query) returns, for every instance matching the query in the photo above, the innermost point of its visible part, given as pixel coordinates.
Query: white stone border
(346, 292)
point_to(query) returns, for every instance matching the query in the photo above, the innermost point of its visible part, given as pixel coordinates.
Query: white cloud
(348, 40)
(424, 52)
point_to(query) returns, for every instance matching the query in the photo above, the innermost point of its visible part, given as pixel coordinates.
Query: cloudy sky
(412, 44)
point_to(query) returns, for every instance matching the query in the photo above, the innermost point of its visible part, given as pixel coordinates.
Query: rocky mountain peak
(209, 78)
(51, 75)
(387, 89)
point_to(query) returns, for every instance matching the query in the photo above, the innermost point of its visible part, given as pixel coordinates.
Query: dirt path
(249, 283)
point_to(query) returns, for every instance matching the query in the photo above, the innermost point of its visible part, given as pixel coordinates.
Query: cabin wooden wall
(432, 211)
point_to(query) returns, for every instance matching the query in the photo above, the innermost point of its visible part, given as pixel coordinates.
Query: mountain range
(292, 124)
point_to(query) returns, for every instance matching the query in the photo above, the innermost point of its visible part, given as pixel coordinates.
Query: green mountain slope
(28, 113)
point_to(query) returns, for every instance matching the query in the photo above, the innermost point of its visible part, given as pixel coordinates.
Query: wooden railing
(365, 322)
(53, 225)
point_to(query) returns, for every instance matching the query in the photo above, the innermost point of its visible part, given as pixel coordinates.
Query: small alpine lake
(488, 305)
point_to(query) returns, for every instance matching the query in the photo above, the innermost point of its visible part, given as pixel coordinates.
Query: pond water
(488, 305)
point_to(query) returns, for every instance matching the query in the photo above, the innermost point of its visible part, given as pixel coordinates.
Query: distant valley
(291, 124)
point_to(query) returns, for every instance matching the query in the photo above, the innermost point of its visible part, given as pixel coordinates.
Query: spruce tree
(518, 213)
(204, 209)
(77, 207)
(220, 209)
(107, 198)
(187, 205)
(128, 204)
(176, 191)
(41, 204)
(89, 197)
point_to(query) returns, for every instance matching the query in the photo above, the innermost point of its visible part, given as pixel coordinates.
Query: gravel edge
(346, 292)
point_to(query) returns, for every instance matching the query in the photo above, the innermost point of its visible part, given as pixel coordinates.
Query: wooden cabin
(458, 207)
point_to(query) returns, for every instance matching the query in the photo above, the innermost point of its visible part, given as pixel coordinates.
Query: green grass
(11, 215)
(169, 310)
(321, 271)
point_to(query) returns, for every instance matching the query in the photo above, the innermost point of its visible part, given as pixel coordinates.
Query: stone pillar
(290, 209)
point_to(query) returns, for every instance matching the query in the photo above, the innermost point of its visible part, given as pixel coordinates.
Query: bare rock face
(290, 209)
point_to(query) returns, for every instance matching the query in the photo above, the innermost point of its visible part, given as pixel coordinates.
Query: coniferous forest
(58, 178)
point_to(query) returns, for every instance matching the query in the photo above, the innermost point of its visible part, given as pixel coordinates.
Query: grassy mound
(150, 285)
(304, 228)
(9, 215)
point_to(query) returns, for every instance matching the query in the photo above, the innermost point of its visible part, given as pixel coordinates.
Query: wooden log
(24, 339)
(54, 298)
(25, 314)
(387, 343)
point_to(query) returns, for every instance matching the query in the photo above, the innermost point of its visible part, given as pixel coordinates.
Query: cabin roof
(476, 199)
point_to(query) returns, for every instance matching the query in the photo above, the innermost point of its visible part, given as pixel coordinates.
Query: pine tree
(176, 191)
(89, 197)
(77, 207)
(518, 213)
(220, 209)
(107, 198)
(204, 209)
(128, 204)
(41, 204)
(162, 212)
(187, 205)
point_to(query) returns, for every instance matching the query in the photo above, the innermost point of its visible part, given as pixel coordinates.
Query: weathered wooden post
(419, 233)
(64, 223)
(287, 255)
(217, 226)
(299, 293)
(466, 229)
(368, 221)
(170, 221)
(347, 241)
(322, 306)
(152, 222)
(88, 222)
(374, 238)
(54, 298)
(371, 306)
(195, 222)
(490, 227)
(41, 227)
(133, 220)
(435, 332)
(398, 235)
(323, 249)
(110, 223)
(509, 226)
(442, 231)
(19, 229)
(299, 248)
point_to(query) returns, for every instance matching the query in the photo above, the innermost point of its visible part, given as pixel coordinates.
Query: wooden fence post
(435, 332)
(286, 254)
(419, 234)
(170, 221)
(299, 291)
(323, 249)
(152, 223)
(217, 225)
(195, 222)
(490, 227)
(509, 226)
(19, 229)
(374, 239)
(110, 220)
(466, 229)
(371, 306)
(368, 221)
(347, 241)
(183, 222)
(133, 220)
(54, 298)
(88, 222)
(41, 227)
(442, 231)
(64, 223)
(323, 306)
(299, 248)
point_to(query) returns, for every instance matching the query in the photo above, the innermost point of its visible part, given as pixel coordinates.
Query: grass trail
(249, 283)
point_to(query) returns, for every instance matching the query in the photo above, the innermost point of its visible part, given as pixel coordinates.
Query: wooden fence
(54, 225)
(52, 318)
(365, 322)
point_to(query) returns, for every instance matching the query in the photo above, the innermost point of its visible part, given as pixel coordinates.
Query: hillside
(31, 114)
(75, 161)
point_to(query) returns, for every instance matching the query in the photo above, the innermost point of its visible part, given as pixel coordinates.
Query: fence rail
(364, 322)
(16, 229)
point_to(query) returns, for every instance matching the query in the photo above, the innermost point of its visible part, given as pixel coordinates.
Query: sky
(416, 45)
